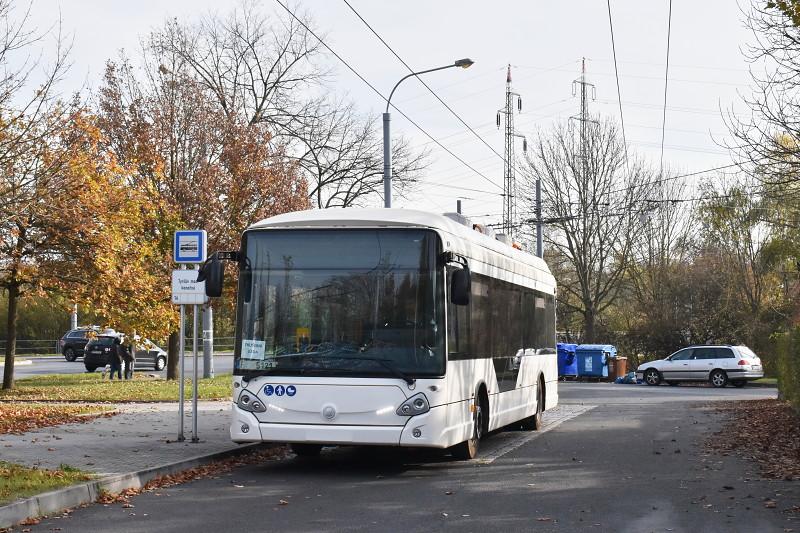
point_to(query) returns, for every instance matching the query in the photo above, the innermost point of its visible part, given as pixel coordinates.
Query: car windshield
(340, 302)
(103, 341)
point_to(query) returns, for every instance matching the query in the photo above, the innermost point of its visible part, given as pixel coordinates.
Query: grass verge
(766, 381)
(90, 387)
(21, 482)
(18, 418)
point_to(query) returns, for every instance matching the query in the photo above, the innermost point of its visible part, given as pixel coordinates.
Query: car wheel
(161, 363)
(718, 378)
(652, 376)
(306, 450)
(739, 383)
(90, 368)
(69, 355)
(672, 383)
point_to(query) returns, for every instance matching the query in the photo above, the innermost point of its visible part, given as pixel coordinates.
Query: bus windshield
(354, 302)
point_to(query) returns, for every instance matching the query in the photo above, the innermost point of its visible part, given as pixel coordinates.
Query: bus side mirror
(246, 277)
(213, 273)
(460, 286)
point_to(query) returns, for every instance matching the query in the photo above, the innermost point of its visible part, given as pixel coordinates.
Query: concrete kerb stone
(88, 492)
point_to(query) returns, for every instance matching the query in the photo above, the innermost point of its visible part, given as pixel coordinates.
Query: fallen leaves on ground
(199, 472)
(18, 418)
(766, 431)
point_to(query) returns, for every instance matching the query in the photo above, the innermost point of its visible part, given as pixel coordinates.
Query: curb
(18, 362)
(88, 492)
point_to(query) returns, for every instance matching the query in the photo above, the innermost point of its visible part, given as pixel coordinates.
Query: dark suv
(99, 349)
(74, 341)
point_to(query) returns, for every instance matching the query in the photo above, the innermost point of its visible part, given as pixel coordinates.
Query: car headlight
(416, 405)
(249, 402)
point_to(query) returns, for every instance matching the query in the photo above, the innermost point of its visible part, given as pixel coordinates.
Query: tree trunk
(173, 355)
(11, 337)
(588, 327)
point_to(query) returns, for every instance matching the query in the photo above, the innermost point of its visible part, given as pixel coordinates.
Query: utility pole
(509, 179)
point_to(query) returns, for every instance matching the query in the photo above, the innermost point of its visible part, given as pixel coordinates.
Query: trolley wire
(616, 74)
(382, 40)
(376, 91)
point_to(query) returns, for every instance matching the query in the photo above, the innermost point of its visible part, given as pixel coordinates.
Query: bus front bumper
(416, 432)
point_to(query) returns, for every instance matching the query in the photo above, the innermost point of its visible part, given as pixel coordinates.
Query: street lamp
(387, 138)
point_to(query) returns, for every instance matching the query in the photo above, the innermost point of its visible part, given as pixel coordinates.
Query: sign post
(190, 247)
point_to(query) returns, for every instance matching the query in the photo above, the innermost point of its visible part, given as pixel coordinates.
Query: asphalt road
(628, 459)
(223, 364)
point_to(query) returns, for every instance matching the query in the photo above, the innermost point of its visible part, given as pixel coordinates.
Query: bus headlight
(416, 405)
(249, 402)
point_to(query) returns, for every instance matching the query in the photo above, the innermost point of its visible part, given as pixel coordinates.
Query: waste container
(593, 359)
(617, 367)
(567, 362)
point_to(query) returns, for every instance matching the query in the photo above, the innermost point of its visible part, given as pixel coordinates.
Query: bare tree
(255, 66)
(593, 200)
(341, 156)
(27, 98)
(767, 142)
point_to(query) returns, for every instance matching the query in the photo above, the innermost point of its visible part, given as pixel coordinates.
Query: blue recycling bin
(567, 362)
(592, 359)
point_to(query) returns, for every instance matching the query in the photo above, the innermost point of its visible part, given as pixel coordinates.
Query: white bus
(386, 327)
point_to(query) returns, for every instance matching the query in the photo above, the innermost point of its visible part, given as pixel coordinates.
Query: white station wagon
(719, 365)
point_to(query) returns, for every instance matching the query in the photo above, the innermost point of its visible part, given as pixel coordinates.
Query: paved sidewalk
(141, 436)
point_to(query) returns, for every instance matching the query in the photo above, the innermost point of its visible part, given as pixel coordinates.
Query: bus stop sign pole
(189, 249)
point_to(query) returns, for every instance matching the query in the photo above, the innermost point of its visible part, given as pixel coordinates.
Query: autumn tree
(267, 70)
(46, 245)
(199, 166)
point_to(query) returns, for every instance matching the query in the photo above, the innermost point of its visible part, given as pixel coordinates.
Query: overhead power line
(666, 82)
(616, 73)
(376, 91)
(381, 39)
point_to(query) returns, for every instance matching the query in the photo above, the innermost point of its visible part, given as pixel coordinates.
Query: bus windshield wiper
(386, 363)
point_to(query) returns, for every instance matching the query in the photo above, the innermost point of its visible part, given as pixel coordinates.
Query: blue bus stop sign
(190, 246)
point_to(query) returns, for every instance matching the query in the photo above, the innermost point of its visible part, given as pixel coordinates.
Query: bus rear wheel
(468, 449)
(534, 422)
(306, 450)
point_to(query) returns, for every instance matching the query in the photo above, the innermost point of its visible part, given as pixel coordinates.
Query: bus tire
(306, 450)
(464, 451)
(534, 422)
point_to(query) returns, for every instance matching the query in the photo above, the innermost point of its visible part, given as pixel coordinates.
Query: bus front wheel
(468, 449)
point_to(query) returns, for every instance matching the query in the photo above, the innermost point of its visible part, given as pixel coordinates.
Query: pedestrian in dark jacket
(128, 358)
(115, 360)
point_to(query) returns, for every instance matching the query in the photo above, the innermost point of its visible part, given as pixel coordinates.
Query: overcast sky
(543, 41)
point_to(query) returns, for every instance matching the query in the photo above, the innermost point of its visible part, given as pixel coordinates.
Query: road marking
(507, 441)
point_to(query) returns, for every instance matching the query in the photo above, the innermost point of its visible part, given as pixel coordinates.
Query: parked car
(98, 351)
(74, 341)
(719, 365)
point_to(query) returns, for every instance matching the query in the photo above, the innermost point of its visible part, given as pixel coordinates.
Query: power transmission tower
(509, 180)
(583, 85)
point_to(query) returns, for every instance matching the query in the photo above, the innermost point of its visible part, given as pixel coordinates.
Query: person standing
(115, 360)
(128, 357)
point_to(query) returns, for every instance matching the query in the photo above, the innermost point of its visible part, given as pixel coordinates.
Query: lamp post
(387, 137)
